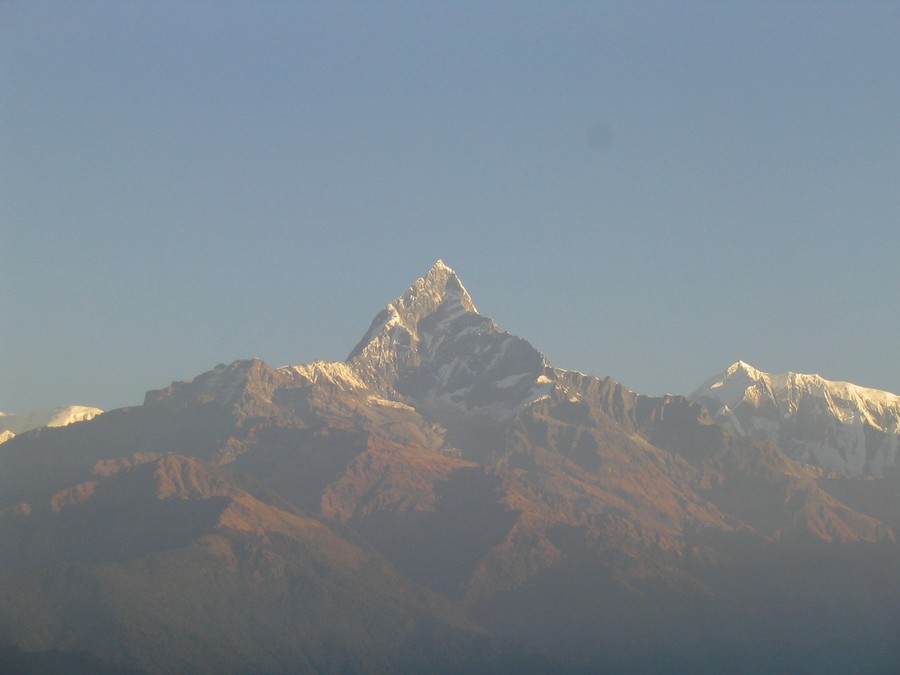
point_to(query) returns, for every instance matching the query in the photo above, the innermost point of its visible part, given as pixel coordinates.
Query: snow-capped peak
(432, 349)
(739, 381)
(440, 265)
(745, 368)
(439, 286)
(730, 387)
(53, 417)
(398, 321)
(838, 425)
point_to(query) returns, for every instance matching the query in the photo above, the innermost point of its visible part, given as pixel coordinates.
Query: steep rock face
(432, 349)
(837, 426)
(395, 328)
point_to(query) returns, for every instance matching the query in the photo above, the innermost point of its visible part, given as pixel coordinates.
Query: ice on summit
(431, 347)
(838, 426)
(391, 342)
(11, 424)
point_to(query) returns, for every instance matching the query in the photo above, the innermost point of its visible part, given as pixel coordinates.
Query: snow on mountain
(838, 426)
(332, 372)
(423, 297)
(11, 424)
(430, 352)
(391, 343)
(431, 348)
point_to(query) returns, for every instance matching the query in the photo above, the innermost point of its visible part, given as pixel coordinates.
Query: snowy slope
(11, 424)
(431, 348)
(838, 426)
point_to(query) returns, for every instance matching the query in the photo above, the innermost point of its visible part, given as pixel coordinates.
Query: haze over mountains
(444, 497)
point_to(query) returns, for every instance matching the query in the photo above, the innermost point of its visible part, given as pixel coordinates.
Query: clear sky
(646, 190)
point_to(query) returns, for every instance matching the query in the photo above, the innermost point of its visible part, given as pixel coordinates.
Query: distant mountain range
(11, 424)
(445, 500)
(838, 426)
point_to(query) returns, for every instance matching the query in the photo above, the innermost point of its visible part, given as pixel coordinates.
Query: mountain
(11, 424)
(837, 426)
(174, 565)
(443, 500)
(432, 348)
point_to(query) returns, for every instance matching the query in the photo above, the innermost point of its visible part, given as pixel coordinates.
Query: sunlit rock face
(431, 348)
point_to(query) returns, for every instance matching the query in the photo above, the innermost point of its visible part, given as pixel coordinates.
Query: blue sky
(643, 190)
